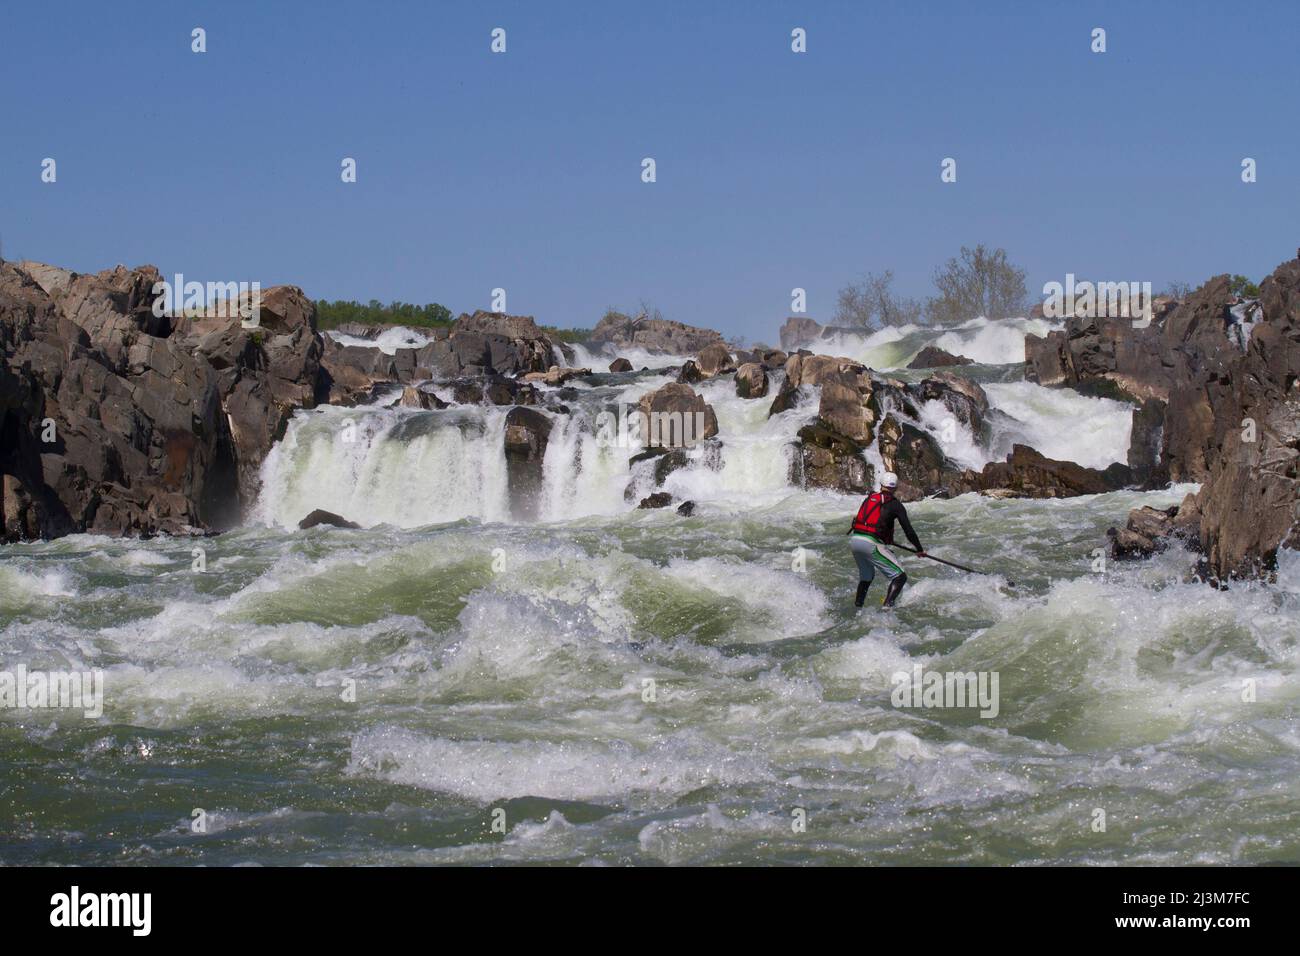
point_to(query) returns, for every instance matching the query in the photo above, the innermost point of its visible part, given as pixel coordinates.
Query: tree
(1240, 285)
(980, 282)
(1178, 290)
(869, 304)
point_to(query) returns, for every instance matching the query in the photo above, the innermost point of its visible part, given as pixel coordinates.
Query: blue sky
(523, 170)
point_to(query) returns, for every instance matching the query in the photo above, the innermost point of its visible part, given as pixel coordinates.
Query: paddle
(951, 564)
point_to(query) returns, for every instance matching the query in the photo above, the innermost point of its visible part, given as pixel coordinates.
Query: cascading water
(499, 662)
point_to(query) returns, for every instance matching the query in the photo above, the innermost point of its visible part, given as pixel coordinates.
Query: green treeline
(330, 315)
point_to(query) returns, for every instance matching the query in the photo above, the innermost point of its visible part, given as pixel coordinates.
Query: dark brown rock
(320, 516)
(526, 435)
(932, 357)
(675, 416)
(1027, 473)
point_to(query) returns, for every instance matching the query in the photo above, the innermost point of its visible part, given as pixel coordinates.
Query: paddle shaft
(951, 564)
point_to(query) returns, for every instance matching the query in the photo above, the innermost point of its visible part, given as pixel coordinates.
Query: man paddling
(873, 531)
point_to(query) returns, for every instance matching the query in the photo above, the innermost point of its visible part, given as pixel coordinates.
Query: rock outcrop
(1216, 376)
(1149, 530)
(118, 420)
(1027, 473)
(653, 335)
(527, 433)
(1250, 501)
(798, 331)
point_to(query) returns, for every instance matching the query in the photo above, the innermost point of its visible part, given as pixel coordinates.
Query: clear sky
(522, 170)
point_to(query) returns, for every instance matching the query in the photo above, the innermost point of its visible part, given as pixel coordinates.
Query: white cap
(889, 480)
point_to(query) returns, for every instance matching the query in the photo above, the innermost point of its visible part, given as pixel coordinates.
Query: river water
(610, 686)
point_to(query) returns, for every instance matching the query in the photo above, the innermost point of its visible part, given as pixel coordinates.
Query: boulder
(320, 516)
(690, 373)
(751, 381)
(674, 416)
(917, 458)
(715, 359)
(932, 357)
(686, 509)
(620, 365)
(413, 397)
(787, 397)
(1149, 530)
(660, 499)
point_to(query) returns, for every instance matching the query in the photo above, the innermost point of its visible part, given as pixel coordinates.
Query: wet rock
(932, 357)
(690, 373)
(556, 375)
(715, 359)
(526, 435)
(320, 516)
(917, 458)
(1145, 440)
(1027, 473)
(1149, 530)
(660, 499)
(686, 509)
(494, 390)
(413, 397)
(826, 459)
(751, 381)
(620, 365)
(787, 397)
(674, 416)
(774, 359)
(964, 398)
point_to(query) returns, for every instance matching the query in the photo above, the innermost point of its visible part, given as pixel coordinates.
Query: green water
(503, 668)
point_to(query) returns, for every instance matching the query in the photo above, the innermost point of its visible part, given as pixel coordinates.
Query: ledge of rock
(653, 335)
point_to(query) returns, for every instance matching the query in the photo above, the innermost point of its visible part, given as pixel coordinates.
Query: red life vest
(868, 519)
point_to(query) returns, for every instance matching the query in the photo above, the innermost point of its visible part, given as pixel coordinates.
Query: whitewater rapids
(638, 687)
